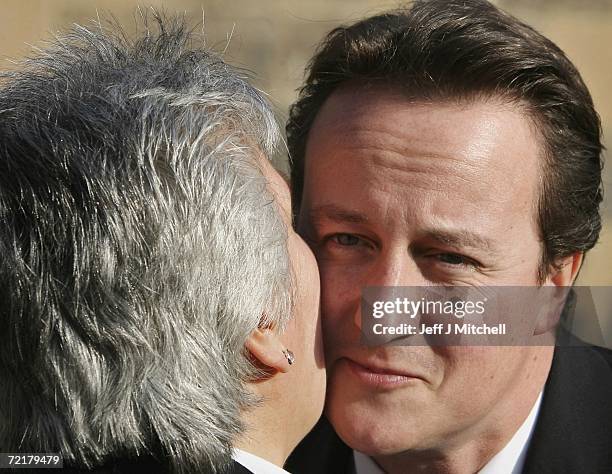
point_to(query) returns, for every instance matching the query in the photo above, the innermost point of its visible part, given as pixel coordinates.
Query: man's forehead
(459, 168)
(472, 141)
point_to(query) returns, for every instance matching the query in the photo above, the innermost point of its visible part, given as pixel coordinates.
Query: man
(449, 144)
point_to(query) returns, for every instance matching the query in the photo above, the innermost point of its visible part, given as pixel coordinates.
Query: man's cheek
(342, 282)
(340, 292)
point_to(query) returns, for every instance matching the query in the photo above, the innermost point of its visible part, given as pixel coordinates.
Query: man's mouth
(375, 375)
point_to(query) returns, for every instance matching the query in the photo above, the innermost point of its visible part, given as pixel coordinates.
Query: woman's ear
(266, 348)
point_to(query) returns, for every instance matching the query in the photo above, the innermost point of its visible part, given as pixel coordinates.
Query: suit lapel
(237, 468)
(573, 432)
(321, 452)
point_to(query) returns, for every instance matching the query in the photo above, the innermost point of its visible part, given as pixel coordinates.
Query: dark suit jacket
(573, 432)
(147, 465)
(132, 465)
(236, 468)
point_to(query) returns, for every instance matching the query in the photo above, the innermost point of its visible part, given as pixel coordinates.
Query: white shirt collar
(509, 460)
(255, 464)
(364, 464)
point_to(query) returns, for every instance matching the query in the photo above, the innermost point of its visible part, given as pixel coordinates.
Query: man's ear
(562, 276)
(267, 349)
(566, 270)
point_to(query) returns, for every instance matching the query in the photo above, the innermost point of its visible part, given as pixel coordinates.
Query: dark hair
(462, 49)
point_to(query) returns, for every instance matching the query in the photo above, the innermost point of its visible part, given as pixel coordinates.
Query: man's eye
(346, 239)
(453, 259)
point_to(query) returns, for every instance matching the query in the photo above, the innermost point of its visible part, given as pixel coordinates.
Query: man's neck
(468, 459)
(474, 448)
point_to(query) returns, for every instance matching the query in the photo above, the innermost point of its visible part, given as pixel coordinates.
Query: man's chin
(375, 420)
(372, 434)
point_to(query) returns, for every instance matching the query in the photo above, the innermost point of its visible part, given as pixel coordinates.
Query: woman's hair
(139, 244)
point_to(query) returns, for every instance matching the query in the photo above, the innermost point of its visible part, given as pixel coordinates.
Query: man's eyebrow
(336, 213)
(460, 238)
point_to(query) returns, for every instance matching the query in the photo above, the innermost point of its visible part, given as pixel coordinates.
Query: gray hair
(140, 246)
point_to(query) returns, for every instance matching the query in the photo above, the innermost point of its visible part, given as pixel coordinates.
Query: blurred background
(274, 40)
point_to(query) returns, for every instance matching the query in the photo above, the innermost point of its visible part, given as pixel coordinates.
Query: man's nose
(393, 268)
(396, 267)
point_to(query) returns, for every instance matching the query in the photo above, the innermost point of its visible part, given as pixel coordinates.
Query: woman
(159, 312)
(292, 383)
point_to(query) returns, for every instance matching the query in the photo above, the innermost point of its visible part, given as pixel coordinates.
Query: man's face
(398, 193)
